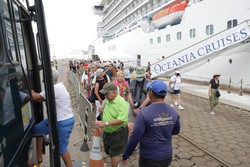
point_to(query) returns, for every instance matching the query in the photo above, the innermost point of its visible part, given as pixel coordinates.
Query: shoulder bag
(217, 93)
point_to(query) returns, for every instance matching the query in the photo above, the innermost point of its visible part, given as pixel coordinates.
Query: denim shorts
(64, 130)
(177, 91)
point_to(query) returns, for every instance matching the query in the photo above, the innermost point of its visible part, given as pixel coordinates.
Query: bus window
(16, 113)
(19, 35)
(15, 95)
(1, 48)
(6, 23)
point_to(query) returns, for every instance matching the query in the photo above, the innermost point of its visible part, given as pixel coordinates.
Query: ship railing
(157, 7)
(135, 21)
(239, 86)
(128, 12)
(107, 21)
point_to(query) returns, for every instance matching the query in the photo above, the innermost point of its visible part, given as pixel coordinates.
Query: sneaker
(180, 107)
(212, 113)
(171, 105)
(176, 103)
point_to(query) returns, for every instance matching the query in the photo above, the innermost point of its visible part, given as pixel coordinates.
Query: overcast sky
(71, 24)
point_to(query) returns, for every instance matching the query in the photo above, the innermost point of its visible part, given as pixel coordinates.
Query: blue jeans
(143, 162)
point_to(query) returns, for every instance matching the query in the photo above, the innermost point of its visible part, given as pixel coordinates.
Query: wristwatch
(107, 124)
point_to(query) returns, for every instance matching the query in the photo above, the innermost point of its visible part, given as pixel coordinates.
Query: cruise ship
(198, 37)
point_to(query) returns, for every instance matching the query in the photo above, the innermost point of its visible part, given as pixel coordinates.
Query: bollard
(229, 86)
(241, 82)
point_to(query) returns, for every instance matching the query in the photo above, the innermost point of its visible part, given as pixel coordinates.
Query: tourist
(65, 120)
(154, 127)
(213, 92)
(114, 123)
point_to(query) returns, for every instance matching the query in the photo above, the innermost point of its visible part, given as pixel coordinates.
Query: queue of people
(133, 113)
(119, 100)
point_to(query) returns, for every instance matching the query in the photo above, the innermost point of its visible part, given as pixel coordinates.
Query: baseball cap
(108, 87)
(158, 87)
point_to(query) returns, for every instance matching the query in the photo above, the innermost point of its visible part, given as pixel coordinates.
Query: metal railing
(84, 109)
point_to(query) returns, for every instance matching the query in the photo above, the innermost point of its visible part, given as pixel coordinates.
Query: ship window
(192, 33)
(178, 35)
(151, 41)
(232, 23)
(158, 39)
(210, 29)
(168, 37)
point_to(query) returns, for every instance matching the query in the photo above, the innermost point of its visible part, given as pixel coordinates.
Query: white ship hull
(233, 63)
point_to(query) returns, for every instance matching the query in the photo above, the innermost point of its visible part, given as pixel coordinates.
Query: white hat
(106, 64)
(216, 74)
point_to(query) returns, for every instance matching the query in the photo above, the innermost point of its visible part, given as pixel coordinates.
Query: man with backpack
(137, 96)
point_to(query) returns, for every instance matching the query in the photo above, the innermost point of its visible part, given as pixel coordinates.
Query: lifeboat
(169, 16)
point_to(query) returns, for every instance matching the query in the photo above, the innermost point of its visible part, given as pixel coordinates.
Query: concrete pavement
(225, 135)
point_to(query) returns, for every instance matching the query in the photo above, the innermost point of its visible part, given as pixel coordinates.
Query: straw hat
(216, 74)
(140, 72)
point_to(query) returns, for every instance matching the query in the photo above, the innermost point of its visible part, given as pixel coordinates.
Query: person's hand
(100, 124)
(125, 163)
(100, 102)
(100, 109)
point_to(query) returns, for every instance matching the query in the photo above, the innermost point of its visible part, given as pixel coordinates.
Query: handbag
(217, 93)
(170, 89)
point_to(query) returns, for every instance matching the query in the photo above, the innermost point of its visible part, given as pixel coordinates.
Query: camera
(136, 105)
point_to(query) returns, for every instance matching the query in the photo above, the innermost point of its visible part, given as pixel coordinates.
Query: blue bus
(24, 52)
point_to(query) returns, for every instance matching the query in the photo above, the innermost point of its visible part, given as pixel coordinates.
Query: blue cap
(158, 87)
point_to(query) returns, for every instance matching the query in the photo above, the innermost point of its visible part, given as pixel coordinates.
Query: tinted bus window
(15, 111)
(6, 24)
(19, 35)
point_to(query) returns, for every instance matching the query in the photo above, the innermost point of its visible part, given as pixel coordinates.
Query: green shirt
(116, 109)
